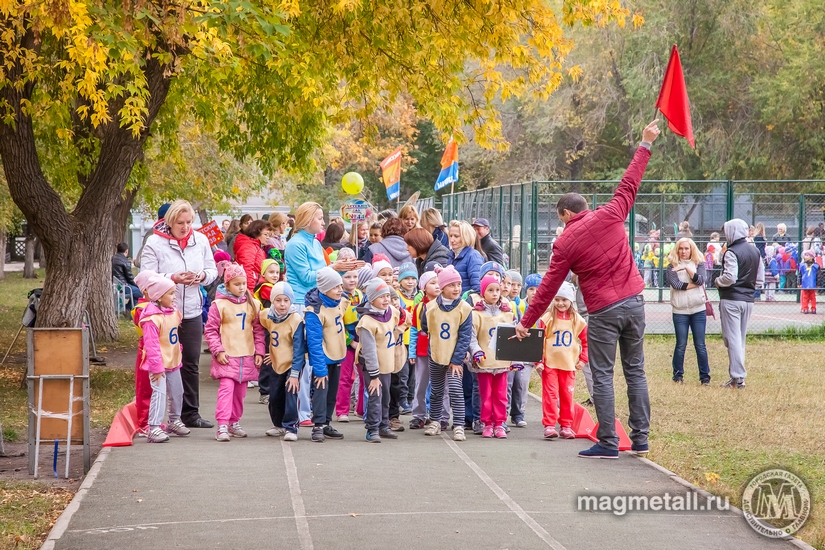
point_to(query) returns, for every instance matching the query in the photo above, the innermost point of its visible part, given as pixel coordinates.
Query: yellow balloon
(352, 183)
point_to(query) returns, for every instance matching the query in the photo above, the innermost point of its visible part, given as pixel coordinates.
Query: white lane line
(66, 517)
(504, 497)
(297, 500)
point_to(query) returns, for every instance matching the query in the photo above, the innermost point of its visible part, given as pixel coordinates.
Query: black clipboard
(529, 350)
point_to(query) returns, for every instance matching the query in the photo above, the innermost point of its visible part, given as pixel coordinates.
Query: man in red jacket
(594, 246)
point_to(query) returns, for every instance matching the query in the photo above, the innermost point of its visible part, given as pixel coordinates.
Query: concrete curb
(685, 483)
(63, 521)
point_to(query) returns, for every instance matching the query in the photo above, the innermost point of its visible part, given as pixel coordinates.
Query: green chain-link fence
(524, 221)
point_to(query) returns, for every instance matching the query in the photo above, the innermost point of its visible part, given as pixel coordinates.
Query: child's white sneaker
(433, 429)
(156, 435)
(275, 431)
(235, 430)
(458, 434)
(289, 436)
(223, 433)
(178, 429)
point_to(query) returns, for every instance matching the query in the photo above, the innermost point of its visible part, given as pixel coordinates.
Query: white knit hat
(566, 290)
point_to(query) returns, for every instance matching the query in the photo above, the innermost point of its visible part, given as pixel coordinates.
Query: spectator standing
(781, 236)
(409, 215)
(686, 278)
(759, 238)
(426, 251)
(684, 230)
(594, 247)
(488, 244)
(177, 252)
(279, 224)
(431, 221)
(392, 244)
(463, 255)
(249, 252)
(742, 271)
(122, 271)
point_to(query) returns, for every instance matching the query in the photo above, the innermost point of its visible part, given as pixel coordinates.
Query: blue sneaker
(639, 448)
(597, 451)
(373, 437)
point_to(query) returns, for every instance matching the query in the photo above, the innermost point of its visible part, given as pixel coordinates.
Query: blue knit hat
(407, 270)
(162, 210)
(284, 288)
(532, 280)
(491, 266)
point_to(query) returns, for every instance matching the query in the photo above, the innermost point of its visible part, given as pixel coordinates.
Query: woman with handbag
(686, 277)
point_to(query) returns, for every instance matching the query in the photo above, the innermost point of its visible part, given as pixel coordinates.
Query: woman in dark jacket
(333, 236)
(426, 251)
(392, 244)
(431, 221)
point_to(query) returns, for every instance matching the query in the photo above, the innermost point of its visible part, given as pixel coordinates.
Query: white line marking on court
(301, 522)
(504, 497)
(762, 315)
(123, 528)
(66, 517)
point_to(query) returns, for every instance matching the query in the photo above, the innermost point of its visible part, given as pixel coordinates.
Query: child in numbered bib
(492, 374)
(161, 357)
(236, 340)
(419, 351)
(283, 323)
(327, 346)
(448, 322)
(565, 352)
(352, 299)
(377, 337)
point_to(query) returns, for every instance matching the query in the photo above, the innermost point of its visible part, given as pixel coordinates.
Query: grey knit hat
(327, 279)
(515, 276)
(376, 288)
(364, 276)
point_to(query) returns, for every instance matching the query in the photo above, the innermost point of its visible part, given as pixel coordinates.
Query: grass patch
(793, 332)
(27, 512)
(718, 438)
(110, 390)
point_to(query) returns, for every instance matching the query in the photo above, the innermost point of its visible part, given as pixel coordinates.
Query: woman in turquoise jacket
(304, 256)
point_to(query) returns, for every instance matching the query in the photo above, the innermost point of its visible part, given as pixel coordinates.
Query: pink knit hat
(157, 286)
(425, 278)
(487, 281)
(222, 256)
(447, 275)
(232, 271)
(143, 277)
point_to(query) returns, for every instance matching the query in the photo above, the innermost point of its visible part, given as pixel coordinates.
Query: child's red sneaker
(550, 432)
(567, 433)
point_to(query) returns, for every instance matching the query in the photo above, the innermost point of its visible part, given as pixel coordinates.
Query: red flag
(673, 99)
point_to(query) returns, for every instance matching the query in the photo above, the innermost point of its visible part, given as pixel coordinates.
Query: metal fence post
(801, 233)
(521, 252)
(661, 245)
(729, 200)
(534, 230)
(510, 198)
(500, 212)
(632, 235)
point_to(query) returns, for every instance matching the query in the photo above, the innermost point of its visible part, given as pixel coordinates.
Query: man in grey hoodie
(742, 271)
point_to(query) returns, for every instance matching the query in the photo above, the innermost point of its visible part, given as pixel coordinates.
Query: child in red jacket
(161, 358)
(143, 389)
(565, 352)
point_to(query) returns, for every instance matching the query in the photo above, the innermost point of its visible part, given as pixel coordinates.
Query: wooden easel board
(59, 351)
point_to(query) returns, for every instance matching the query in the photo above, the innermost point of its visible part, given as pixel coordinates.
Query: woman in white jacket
(178, 252)
(686, 277)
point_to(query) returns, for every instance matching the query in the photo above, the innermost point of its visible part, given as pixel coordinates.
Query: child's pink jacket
(240, 369)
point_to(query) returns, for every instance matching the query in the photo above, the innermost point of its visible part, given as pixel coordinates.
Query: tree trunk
(28, 266)
(78, 246)
(41, 256)
(3, 240)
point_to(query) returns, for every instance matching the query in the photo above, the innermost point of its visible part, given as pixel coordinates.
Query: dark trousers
(694, 323)
(265, 373)
(395, 394)
(277, 397)
(290, 419)
(623, 324)
(378, 406)
(191, 339)
(323, 399)
(467, 384)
